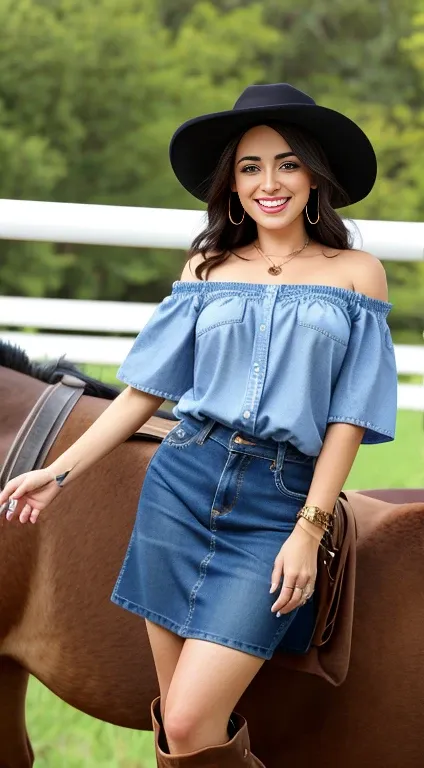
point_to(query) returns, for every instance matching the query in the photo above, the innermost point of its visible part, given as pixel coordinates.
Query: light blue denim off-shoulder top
(272, 361)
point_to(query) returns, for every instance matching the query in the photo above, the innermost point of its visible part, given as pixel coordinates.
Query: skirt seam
(202, 576)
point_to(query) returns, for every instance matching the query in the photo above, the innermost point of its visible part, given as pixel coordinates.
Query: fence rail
(153, 228)
(171, 228)
(127, 318)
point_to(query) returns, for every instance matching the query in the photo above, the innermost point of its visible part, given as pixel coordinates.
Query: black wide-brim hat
(197, 144)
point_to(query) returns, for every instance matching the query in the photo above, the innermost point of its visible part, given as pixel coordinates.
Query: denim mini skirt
(215, 508)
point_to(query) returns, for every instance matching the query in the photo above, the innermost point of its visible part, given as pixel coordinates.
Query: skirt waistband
(239, 441)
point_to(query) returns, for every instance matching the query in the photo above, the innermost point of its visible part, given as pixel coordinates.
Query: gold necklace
(275, 269)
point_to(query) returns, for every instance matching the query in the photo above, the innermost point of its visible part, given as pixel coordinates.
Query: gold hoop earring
(307, 214)
(237, 223)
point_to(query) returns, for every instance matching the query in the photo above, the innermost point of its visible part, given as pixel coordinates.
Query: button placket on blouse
(259, 357)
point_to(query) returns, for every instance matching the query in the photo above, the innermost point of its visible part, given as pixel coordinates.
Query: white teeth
(273, 203)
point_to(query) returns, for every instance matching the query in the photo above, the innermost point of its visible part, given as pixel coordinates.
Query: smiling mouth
(273, 206)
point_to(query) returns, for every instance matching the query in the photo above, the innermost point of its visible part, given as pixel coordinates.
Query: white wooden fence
(148, 227)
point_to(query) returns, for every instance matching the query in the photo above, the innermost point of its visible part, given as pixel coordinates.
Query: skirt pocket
(183, 434)
(294, 477)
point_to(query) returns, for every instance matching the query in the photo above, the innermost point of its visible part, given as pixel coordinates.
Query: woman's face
(272, 184)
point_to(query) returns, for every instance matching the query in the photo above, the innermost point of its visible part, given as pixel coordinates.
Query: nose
(270, 183)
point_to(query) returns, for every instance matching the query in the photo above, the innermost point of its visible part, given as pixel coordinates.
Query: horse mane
(12, 356)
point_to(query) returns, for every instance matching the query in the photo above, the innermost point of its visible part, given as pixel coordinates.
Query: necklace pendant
(274, 270)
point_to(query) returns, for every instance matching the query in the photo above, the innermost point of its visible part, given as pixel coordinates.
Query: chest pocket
(326, 318)
(225, 310)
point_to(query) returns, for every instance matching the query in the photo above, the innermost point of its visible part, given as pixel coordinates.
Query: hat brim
(197, 145)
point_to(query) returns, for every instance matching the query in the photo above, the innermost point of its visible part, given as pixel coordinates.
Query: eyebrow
(257, 158)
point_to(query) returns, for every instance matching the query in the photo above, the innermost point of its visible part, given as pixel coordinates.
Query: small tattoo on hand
(62, 477)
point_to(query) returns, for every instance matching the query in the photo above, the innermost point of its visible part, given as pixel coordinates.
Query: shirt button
(262, 327)
(246, 414)
(256, 367)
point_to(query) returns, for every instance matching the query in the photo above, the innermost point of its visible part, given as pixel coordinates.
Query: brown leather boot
(234, 754)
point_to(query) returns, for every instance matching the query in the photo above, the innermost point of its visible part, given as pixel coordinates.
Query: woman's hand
(28, 494)
(296, 562)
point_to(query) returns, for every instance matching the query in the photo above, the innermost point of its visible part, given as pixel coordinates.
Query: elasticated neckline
(283, 290)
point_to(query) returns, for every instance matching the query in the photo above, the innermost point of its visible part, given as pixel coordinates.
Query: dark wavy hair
(220, 237)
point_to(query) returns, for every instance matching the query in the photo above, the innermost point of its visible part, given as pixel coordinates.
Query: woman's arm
(297, 560)
(131, 409)
(341, 442)
(124, 416)
(28, 494)
(340, 446)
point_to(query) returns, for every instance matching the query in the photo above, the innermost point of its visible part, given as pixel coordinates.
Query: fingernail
(3, 507)
(274, 586)
(11, 506)
(278, 614)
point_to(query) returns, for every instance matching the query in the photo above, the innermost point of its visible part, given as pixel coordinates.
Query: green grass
(63, 737)
(399, 464)
(106, 373)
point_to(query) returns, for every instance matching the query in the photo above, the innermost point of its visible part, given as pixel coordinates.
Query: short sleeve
(161, 360)
(365, 391)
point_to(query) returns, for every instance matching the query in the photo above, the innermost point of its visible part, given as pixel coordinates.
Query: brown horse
(58, 624)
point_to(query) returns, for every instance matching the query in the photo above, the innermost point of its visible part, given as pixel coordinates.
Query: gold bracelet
(317, 516)
(318, 538)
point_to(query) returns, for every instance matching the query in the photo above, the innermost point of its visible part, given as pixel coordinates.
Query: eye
(289, 166)
(246, 168)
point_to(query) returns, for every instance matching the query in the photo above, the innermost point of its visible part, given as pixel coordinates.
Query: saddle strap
(41, 427)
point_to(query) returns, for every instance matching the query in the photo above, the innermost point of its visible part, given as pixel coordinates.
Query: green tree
(90, 94)
(103, 86)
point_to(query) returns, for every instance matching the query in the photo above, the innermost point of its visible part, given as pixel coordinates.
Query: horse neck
(18, 394)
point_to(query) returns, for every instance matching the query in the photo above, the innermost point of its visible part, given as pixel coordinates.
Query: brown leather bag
(329, 653)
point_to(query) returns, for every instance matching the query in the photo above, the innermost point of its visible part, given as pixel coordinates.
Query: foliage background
(91, 92)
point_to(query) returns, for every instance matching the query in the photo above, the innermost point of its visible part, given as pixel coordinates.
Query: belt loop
(282, 447)
(204, 432)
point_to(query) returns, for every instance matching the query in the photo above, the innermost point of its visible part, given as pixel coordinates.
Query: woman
(281, 365)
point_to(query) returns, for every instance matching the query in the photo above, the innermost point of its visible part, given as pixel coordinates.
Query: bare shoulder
(367, 274)
(188, 274)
